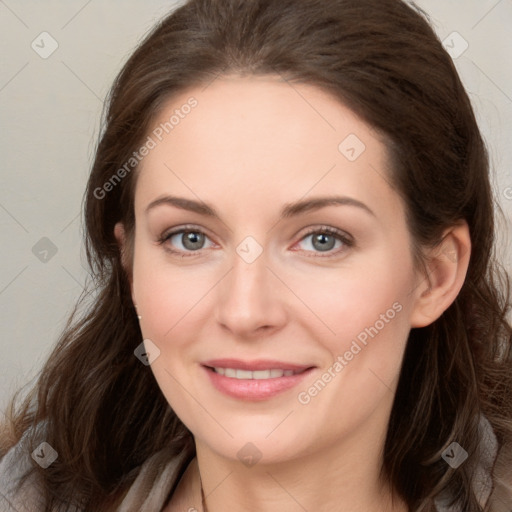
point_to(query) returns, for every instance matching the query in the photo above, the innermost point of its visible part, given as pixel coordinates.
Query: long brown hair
(101, 409)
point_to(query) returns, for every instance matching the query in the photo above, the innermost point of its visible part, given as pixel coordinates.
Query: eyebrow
(290, 210)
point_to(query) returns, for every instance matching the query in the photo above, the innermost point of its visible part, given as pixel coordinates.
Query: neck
(322, 482)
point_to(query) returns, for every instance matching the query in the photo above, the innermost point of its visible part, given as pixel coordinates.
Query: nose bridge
(248, 298)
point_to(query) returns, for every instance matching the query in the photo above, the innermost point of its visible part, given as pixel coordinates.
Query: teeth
(229, 372)
(243, 374)
(257, 374)
(264, 374)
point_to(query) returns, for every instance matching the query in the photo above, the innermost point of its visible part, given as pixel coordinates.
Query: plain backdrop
(50, 112)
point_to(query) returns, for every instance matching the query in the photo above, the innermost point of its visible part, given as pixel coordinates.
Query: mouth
(256, 380)
(272, 373)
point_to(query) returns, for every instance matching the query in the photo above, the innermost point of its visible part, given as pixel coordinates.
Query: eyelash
(339, 235)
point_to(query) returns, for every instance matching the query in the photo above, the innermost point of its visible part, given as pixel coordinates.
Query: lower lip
(254, 389)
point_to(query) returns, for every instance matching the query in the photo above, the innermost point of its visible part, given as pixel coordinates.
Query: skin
(251, 146)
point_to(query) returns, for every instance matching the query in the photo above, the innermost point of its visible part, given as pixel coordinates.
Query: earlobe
(119, 232)
(120, 236)
(447, 268)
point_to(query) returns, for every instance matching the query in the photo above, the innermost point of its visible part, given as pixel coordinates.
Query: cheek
(163, 303)
(168, 296)
(345, 303)
(169, 300)
(338, 311)
(363, 333)
(335, 305)
(339, 297)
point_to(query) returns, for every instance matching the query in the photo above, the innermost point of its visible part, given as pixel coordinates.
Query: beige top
(187, 497)
(162, 477)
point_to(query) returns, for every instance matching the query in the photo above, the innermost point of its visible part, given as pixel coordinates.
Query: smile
(234, 373)
(254, 380)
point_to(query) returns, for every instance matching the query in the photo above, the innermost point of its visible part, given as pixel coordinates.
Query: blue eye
(193, 239)
(324, 240)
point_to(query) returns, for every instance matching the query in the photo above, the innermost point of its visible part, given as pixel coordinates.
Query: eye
(324, 240)
(190, 238)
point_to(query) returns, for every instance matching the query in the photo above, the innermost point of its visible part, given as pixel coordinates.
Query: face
(249, 270)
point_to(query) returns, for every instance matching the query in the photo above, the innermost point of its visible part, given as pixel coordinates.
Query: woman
(290, 224)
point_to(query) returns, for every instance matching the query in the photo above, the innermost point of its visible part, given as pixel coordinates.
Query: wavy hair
(103, 411)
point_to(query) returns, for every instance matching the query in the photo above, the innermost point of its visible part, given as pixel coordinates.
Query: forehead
(262, 137)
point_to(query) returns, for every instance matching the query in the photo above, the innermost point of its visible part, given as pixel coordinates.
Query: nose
(251, 299)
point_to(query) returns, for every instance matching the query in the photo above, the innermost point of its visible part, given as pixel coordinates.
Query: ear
(447, 267)
(124, 249)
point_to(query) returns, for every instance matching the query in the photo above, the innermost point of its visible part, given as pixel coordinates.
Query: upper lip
(260, 364)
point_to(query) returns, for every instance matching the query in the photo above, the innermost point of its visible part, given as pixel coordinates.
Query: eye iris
(321, 238)
(193, 238)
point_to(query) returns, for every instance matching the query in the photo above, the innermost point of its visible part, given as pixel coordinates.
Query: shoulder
(155, 480)
(501, 496)
(492, 480)
(13, 465)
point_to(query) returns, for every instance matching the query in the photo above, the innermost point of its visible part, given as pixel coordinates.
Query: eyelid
(343, 236)
(178, 229)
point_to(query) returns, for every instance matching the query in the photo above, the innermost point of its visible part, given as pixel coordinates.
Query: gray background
(50, 110)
